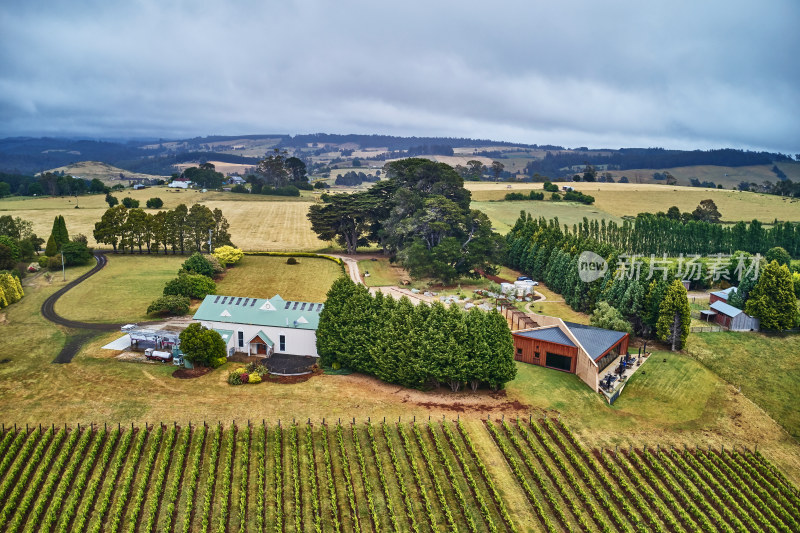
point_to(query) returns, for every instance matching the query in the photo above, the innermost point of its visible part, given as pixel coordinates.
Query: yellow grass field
(629, 199)
(257, 222)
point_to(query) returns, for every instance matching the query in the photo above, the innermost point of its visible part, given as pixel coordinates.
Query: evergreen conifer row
(413, 346)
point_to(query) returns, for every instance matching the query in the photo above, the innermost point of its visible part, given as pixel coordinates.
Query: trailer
(157, 355)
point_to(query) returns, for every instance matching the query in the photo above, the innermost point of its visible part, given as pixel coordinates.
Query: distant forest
(650, 158)
(25, 155)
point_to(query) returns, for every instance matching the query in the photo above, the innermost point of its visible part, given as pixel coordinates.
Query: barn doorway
(559, 362)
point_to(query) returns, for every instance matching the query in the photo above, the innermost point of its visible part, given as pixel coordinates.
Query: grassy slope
(103, 171)
(765, 366)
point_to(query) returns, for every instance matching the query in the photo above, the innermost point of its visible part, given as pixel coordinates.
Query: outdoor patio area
(617, 374)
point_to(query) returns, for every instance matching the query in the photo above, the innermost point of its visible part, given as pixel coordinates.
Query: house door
(261, 349)
(560, 362)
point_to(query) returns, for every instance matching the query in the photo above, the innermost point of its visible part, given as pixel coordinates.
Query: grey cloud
(617, 73)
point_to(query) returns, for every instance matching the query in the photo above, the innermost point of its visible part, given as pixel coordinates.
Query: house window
(283, 343)
(241, 339)
(519, 351)
(536, 355)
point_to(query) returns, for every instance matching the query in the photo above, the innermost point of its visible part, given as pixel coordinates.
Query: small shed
(733, 318)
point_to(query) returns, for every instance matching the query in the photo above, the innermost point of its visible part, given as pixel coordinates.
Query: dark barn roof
(551, 334)
(596, 341)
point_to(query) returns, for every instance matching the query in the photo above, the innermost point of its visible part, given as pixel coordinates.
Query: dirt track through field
(85, 330)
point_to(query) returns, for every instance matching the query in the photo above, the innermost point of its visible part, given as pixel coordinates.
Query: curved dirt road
(49, 305)
(85, 330)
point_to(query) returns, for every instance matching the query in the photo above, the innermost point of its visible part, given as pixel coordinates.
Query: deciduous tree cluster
(413, 346)
(181, 229)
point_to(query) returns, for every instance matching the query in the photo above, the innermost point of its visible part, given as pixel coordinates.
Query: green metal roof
(226, 334)
(275, 312)
(264, 337)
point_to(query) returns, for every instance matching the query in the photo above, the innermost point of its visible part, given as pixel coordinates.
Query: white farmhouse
(256, 326)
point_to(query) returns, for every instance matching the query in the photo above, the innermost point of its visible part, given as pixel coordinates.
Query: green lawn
(265, 276)
(766, 367)
(554, 305)
(122, 290)
(676, 395)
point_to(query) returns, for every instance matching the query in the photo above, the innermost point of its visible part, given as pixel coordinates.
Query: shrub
(228, 255)
(130, 203)
(244, 377)
(169, 305)
(43, 261)
(54, 263)
(155, 203)
(198, 264)
(550, 187)
(190, 285)
(203, 346)
(257, 369)
(218, 268)
(555, 197)
(234, 378)
(288, 190)
(291, 261)
(239, 188)
(241, 370)
(254, 378)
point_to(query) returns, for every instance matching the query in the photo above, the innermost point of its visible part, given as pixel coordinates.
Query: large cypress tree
(501, 346)
(480, 361)
(674, 316)
(772, 301)
(332, 338)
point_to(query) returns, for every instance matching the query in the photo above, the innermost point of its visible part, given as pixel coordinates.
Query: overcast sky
(677, 74)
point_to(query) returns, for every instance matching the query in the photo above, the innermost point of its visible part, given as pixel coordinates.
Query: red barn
(570, 347)
(721, 296)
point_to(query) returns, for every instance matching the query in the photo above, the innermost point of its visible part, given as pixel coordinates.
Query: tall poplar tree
(674, 316)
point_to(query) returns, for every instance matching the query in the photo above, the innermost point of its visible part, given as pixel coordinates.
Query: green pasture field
(129, 283)
(122, 290)
(501, 475)
(265, 276)
(257, 222)
(765, 366)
